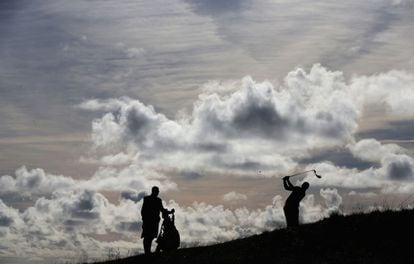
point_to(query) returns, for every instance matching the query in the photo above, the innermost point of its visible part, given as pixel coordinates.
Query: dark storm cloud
(400, 170)
(84, 206)
(5, 220)
(252, 114)
(136, 197)
(138, 123)
(252, 118)
(85, 201)
(259, 119)
(396, 130)
(340, 157)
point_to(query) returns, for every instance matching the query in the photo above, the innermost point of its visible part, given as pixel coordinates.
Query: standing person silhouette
(291, 208)
(150, 212)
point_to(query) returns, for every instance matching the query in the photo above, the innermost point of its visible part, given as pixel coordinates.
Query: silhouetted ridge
(378, 237)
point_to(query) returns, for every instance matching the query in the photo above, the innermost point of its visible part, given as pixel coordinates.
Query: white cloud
(234, 197)
(245, 126)
(36, 182)
(394, 90)
(250, 127)
(373, 150)
(332, 199)
(66, 224)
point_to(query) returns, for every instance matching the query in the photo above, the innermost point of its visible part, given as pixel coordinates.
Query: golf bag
(168, 238)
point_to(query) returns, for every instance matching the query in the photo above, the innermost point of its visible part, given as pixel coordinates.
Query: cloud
(235, 130)
(396, 164)
(234, 197)
(63, 227)
(373, 150)
(202, 224)
(393, 90)
(67, 223)
(332, 198)
(239, 129)
(36, 182)
(399, 167)
(136, 197)
(393, 172)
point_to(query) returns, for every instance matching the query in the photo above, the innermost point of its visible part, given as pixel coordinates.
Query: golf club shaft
(299, 173)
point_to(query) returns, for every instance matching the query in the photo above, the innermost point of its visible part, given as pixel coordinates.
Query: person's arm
(287, 184)
(166, 210)
(143, 209)
(163, 210)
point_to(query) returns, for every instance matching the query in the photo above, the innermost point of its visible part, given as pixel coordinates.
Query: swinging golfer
(150, 213)
(291, 208)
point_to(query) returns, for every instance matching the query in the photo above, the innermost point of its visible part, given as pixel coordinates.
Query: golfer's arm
(287, 184)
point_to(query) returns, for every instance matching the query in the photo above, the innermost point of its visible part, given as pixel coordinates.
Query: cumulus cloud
(39, 183)
(234, 197)
(35, 181)
(373, 150)
(230, 131)
(202, 224)
(395, 163)
(67, 224)
(332, 199)
(248, 126)
(239, 129)
(393, 89)
(399, 167)
(64, 226)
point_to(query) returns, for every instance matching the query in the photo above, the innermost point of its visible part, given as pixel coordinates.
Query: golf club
(303, 172)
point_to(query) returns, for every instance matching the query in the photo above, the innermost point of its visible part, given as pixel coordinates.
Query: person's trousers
(292, 215)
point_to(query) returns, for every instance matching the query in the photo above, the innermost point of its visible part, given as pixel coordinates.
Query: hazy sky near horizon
(212, 100)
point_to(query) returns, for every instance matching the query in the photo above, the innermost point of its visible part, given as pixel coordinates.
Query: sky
(213, 101)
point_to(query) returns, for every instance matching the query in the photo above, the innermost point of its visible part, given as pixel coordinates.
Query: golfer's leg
(288, 216)
(295, 217)
(147, 245)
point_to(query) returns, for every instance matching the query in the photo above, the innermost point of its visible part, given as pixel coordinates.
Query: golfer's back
(151, 208)
(296, 196)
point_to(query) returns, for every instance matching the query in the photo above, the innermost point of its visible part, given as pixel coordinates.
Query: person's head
(305, 185)
(155, 191)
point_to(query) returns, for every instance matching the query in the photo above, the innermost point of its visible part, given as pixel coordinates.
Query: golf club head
(317, 175)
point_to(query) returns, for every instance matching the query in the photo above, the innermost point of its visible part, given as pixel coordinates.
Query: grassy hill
(378, 237)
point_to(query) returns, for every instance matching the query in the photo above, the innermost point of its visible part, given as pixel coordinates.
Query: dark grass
(377, 237)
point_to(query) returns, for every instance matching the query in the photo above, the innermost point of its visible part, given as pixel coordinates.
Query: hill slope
(378, 237)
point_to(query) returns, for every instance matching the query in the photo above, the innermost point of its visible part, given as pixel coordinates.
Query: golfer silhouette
(291, 208)
(150, 212)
